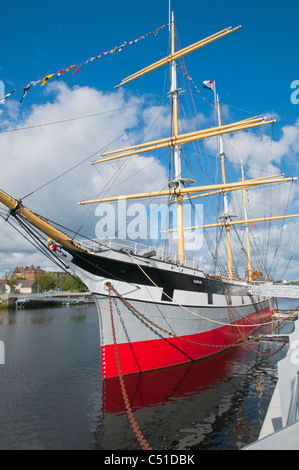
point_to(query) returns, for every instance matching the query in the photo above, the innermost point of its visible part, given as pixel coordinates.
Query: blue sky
(253, 69)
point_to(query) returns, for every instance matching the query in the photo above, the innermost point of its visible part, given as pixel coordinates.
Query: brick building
(29, 272)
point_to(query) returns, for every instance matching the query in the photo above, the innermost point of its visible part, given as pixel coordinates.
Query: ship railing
(30, 297)
(139, 249)
(224, 274)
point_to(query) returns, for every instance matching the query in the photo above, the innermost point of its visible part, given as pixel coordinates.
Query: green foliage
(46, 281)
(9, 278)
(70, 283)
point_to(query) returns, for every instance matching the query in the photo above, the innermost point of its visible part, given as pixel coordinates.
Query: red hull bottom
(144, 356)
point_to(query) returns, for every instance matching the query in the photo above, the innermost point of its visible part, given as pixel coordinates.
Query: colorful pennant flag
(71, 67)
(35, 82)
(45, 79)
(77, 70)
(26, 89)
(6, 96)
(59, 73)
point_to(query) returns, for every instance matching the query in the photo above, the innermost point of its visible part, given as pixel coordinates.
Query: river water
(52, 395)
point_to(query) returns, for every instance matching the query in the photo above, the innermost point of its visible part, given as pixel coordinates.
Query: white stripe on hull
(178, 320)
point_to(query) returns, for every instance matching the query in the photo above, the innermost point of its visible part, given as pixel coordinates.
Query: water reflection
(43, 316)
(50, 385)
(215, 403)
(52, 396)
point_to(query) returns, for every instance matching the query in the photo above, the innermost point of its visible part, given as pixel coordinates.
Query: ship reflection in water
(52, 397)
(215, 403)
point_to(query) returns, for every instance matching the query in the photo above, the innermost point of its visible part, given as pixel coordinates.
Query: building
(29, 272)
(22, 286)
(26, 287)
(57, 275)
(3, 286)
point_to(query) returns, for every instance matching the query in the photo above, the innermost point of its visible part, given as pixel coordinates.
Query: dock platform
(280, 430)
(52, 299)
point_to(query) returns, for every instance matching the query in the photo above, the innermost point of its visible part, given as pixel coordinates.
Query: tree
(46, 281)
(70, 283)
(10, 278)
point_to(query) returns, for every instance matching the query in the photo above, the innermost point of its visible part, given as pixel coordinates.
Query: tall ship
(157, 307)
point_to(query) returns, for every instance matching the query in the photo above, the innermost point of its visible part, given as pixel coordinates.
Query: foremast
(178, 181)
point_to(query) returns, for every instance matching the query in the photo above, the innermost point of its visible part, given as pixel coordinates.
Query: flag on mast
(210, 85)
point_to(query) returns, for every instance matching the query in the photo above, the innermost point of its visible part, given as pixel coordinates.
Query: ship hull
(154, 314)
(142, 346)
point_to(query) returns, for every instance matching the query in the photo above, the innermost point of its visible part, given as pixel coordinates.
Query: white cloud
(266, 157)
(33, 157)
(264, 154)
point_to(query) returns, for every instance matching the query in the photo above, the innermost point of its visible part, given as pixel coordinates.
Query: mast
(247, 230)
(177, 182)
(226, 216)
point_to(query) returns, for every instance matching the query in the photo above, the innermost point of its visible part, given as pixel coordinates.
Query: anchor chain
(142, 441)
(247, 342)
(169, 333)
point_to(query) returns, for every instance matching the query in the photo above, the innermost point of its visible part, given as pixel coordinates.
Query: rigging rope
(72, 168)
(65, 120)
